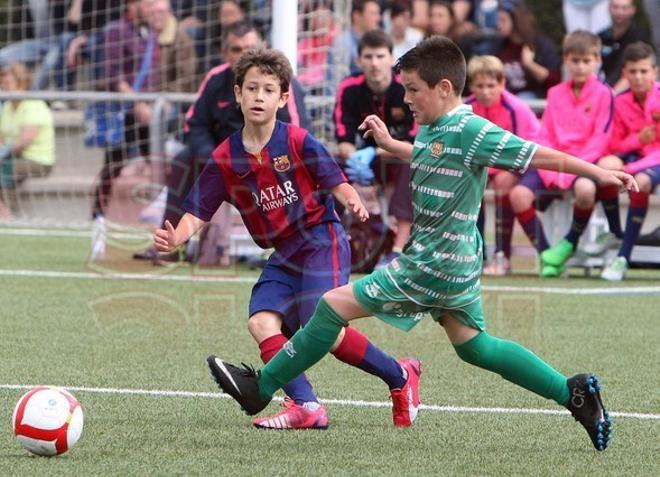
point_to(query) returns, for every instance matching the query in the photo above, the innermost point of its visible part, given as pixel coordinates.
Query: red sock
(270, 346)
(352, 348)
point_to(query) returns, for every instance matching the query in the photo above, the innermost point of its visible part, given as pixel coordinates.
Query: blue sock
(639, 205)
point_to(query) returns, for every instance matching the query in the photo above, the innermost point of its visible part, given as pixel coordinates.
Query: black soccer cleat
(239, 383)
(587, 408)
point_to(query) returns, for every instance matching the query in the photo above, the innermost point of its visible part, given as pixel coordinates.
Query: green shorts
(384, 295)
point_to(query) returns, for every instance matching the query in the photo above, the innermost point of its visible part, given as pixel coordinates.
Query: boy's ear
(237, 93)
(284, 97)
(445, 88)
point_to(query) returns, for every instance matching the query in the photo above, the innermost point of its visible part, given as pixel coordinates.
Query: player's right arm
(168, 239)
(375, 128)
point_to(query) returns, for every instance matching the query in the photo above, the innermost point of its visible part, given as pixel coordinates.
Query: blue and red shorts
(300, 271)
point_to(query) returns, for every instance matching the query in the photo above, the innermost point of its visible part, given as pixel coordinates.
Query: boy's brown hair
(581, 42)
(486, 65)
(269, 62)
(639, 51)
(436, 58)
(21, 74)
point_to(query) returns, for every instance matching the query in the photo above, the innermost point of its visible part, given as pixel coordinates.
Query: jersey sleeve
(208, 193)
(487, 145)
(321, 165)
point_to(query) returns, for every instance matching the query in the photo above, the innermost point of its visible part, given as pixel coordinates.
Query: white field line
(650, 290)
(339, 402)
(126, 233)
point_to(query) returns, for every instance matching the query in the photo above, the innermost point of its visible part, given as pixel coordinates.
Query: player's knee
(585, 192)
(643, 181)
(264, 325)
(611, 162)
(521, 198)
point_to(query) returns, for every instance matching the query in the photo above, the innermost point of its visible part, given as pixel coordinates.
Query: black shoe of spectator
(652, 238)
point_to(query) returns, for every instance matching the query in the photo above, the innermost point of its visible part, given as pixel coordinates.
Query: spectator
(377, 91)
(404, 36)
(587, 15)
(490, 100)
(132, 57)
(531, 62)
(652, 8)
(27, 137)
(577, 120)
(313, 50)
(365, 16)
(441, 19)
(212, 118)
(420, 15)
(40, 32)
(178, 60)
(622, 33)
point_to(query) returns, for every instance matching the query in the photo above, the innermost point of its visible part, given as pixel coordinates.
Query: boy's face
(581, 66)
(260, 96)
(641, 75)
(376, 63)
(425, 103)
(486, 89)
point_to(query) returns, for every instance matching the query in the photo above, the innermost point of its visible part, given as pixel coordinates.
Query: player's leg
(502, 183)
(609, 196)
(647, 180)
(523, 203)
(583, 206)
(515, 363)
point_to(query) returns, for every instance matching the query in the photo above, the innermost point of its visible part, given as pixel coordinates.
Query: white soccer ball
(47, 420)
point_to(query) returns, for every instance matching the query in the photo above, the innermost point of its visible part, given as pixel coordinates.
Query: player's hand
(647, 134)
(358, 209)
(620, 179)
(359, 172)
(375, 128)
(165, 239)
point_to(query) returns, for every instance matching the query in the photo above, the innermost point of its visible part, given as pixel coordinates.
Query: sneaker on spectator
(387, 258)
(615, 270)
(98, 238)
(295, 416)
(498, 266)
(604, 242)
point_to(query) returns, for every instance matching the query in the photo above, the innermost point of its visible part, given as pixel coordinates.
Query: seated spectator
(490, 100)
(212, 118)
(376, 91)
(404, 36)
(27, 137)
(531, 62)
(577, 120)
(39, 31)
(365, 16)
(441, 19)
(622, 33)
(636, 145)
(587, 15)
(313, 50)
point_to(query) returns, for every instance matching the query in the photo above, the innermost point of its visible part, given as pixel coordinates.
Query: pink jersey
(630, 117)
(580, 126)
(510, 113)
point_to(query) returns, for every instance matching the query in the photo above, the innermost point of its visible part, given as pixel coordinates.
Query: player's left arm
(553, 160)
(349, 198)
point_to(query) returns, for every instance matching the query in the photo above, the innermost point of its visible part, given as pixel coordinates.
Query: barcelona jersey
(282, 191)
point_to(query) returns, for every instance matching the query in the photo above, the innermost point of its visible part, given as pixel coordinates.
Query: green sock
(304, 349)
(516, 364)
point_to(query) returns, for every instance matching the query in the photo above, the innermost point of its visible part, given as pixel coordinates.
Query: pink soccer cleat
(294, 416)
(405, 401)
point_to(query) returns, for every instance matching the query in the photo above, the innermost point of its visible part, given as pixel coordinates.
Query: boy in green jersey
(438, 272)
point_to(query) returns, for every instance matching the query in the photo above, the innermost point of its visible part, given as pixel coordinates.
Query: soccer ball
(47, 420)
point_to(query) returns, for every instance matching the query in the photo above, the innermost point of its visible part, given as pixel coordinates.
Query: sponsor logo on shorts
(372, 290)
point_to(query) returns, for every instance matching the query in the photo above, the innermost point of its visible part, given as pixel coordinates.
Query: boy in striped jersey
(438, 272)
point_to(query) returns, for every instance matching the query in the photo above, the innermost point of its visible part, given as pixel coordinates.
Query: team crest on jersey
(436, 148)
(281, 163)
(398, 114)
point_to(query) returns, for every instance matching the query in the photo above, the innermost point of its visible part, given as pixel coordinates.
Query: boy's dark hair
(581, 42)
(399, 7)
(375, 39)
(639, 51)
(358, 5)
(269, 62)
(436, 58)
(239, 29)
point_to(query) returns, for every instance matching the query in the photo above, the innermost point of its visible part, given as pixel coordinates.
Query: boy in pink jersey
(492, 101)
(577, 120)
(636, 143)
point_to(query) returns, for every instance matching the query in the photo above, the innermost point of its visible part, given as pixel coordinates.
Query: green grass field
(76, 327)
